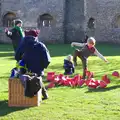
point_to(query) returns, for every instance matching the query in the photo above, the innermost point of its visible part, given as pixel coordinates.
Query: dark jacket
(15, 37)
(68, 66)
(34, 53)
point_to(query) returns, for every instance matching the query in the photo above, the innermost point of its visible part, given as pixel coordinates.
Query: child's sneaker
(45, 96)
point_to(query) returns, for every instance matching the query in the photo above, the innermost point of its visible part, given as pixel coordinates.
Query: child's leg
(84, 63)
(76, 53)
(44, 91)
(68, 71)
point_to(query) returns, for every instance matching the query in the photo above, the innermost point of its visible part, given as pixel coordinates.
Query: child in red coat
(87, 50)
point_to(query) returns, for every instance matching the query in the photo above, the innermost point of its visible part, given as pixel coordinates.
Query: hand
(6, 30)
(106, 61)
(72, 44)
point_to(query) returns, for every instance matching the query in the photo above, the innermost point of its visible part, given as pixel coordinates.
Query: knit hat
(17, 21)
(32, 33)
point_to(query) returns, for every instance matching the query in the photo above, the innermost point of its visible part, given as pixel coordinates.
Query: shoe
(45, 96)
(68, 73)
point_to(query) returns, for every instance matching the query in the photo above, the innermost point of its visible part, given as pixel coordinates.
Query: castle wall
(30, 10)
(70, 19)
(105, 13)
(74, 20)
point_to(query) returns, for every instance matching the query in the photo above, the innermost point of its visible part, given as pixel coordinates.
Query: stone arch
(45, 20)
(91, 23)
(8, 19)
(116, 21)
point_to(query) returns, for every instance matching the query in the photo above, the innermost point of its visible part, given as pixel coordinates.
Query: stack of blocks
(17, 98)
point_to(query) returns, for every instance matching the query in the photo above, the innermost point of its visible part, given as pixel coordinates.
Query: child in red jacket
(87, 50)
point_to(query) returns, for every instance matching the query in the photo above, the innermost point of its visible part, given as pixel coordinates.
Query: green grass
(66, 103)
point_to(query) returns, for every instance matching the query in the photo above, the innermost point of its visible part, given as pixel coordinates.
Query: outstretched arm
(78, 44)
(100, 55)
(8, 33)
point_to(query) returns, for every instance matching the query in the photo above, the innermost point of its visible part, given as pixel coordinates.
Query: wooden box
(17, 98)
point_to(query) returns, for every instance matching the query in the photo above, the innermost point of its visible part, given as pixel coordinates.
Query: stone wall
(30, 10)
(74, 20)
(70, 18)
(105, 13)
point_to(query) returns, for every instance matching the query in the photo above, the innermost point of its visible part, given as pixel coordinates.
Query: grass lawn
(66, 103)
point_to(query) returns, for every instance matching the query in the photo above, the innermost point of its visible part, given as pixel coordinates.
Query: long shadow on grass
(11, 58)
(65, 49)
(5, 77)
(103, 89)
(6, 54)
(6, 48)
(4, 109)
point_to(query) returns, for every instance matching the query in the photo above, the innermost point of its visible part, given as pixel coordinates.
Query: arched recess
(8, 19)
(116, 21)
(91, 23)
(44, 20)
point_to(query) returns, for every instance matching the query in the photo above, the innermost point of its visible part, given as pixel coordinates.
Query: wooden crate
(17, 98)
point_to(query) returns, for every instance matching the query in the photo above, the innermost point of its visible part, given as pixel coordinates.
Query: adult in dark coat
(35, 55)
(16, 34)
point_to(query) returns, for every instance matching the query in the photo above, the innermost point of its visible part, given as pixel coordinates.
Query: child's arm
(78, 44)
(100, 55)
(8, 33)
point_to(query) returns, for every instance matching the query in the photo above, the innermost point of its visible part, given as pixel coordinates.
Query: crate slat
(17, 98)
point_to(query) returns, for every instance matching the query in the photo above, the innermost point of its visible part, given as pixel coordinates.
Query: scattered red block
(106, 79)
(116, 74)
(81, 82)
(51, 85)
(102, 84)
(50, 76)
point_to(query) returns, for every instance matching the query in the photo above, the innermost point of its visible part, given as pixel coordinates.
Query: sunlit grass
(66, 103)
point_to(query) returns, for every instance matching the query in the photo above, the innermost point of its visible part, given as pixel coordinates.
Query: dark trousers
(44, 91)
(83, 60)
(32, 85)
(69, 71)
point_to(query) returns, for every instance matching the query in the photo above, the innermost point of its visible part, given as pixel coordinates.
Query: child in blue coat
(68, 65)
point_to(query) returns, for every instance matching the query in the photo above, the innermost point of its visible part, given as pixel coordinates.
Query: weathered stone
(70, 19)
